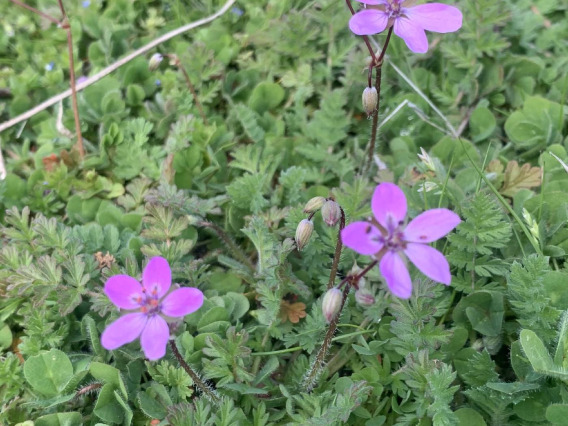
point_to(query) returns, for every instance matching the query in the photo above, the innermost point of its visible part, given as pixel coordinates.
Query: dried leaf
(517, 178)
(292, 311)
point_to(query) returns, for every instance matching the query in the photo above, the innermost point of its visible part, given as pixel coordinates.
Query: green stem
(198, 383)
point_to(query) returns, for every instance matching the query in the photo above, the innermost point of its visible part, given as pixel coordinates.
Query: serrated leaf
(517, 178)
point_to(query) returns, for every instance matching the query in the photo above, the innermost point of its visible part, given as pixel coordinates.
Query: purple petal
(396, 275)
(182, 301)
(124, 330)
(373, 2)
(388, 202)
(437, 17)
(155, 338)
(412, 34)
(157, 276)
(362, 237)
(123, 290)
(431, 225)
(430, 261)
(368, 21)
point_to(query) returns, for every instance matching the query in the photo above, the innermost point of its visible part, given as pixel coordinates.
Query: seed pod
(155, 61)
(331, 303)
(331, 212)
(370, 100)
(364, 297)
(303, 233)
(314, 204)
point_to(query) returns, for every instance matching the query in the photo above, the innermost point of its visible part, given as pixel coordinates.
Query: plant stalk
(337, 254)
(198, 383)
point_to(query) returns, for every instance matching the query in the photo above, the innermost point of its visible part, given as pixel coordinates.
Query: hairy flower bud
(331, 212)
(364, 297)
(303, 233)
(331, 303)
(314, 204)
(370, 100)
(155, 61)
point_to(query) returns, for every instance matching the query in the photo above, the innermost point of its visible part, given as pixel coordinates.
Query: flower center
(393, 9)
(149, 301)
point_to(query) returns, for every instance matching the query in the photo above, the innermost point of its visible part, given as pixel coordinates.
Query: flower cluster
(388, 239)
(409, 22)
(151, 303)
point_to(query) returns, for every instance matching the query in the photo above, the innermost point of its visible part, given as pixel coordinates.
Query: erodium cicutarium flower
(388, 238)
(409, 21)
(151, 303)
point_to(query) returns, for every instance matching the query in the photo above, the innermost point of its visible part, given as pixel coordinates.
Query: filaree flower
(388, 238)
(409, 21)
(151, 304)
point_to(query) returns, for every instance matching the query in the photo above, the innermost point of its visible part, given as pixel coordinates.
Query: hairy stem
(191, 87)
(115, 65)
(365, 38)
(375, 124)
(237, 252)
(337, 254)
(198, 383)
(65, 25)
(88, 389)
(311, 380)
(353, 280)
(37, 12)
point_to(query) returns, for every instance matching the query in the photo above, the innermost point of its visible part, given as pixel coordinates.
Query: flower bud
(303, 233)
(331, 303)
(314, 204)
(427, 160)
(370, 100)
(155, 61)
(331, 212)
(364, 297)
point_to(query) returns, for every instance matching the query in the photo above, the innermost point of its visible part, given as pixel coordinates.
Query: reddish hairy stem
(365, 38)
(337, 254)
(37, 12)
(67, 27)
(196, 379)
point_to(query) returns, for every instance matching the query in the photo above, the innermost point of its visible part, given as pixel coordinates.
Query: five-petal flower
(409, 21)
(387, 239)
(150, 302)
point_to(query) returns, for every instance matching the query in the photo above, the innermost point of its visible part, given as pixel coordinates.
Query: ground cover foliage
(280, 85)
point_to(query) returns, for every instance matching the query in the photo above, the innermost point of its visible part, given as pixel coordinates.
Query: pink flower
(409, 22)
(150, 302)
(387, 239)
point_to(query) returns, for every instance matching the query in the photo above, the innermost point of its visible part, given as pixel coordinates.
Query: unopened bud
(331, 212)
(364, 297)
(314, 204)
(303, 233)
(331, 303)
(155, 61)
(370, 100)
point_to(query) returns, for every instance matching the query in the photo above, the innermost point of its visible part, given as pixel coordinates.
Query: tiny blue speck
(236, 11)
(86, 3)
(50, 66)
(158, 83)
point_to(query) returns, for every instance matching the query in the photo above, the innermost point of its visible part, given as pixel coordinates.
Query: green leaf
(60, 419)
(535, 351)
(107, 407)
(557, 413)
(482, 123)
(266, 96)
(108, 375)
(49, 372)
(469, 417)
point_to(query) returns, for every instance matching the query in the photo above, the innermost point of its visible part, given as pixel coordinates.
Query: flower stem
(375, 125)
(191, 87)
(337, 254)
(312, 377)
(365, 38)
(65, 25)
(198, 383)
(237, 252)
(354, 280)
